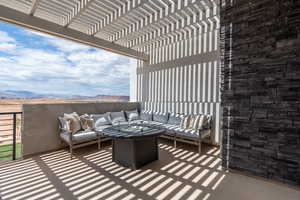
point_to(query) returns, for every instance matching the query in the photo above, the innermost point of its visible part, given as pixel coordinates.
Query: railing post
(14, 135)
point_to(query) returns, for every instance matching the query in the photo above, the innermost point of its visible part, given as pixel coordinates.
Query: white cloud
(7, 47)
(4, 59)
(7, 43)
(5, 38)
(69, 68)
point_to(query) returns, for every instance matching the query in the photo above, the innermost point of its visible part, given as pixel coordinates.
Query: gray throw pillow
(146, 115)
(175, 119)
(132, 115)
(100, 119)
(161, 117)
(117, 117)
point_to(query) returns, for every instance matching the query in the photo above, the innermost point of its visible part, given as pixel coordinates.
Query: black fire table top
(131, 131)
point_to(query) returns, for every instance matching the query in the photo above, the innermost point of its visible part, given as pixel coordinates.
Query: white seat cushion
(187, 132)
(79, 137)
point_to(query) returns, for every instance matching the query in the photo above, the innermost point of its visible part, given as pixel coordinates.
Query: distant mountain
(22, 94)
(19, 94)
(113, 98)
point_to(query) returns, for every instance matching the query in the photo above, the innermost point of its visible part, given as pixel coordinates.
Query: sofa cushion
(101, 128)
(161, 117)
(153, 124)
(170, 128)
(190, 133)
(132, 115)
(73, 121)
(202, 122)
(137, 121)
(146, 115)
(185, 122)
(117, 117)
(198, 121)
(87, 123)
(79, 137)
(191, 122)
(175, 119)
(100, 119)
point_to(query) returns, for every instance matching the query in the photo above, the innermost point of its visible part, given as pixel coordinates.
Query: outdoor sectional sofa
(172, 124)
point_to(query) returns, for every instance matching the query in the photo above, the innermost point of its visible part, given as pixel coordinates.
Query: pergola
(127, 27)
(186, 56)
(175, 42)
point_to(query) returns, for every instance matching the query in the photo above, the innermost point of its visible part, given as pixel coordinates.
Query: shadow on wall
(183, 76)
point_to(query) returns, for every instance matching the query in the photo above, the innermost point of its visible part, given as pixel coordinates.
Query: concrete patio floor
(179, 174)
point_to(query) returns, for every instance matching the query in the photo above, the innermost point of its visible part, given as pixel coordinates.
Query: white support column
(133, 80)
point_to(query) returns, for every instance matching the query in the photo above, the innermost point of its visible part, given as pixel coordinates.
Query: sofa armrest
(205, 132)
(61, 129)
(63, 124)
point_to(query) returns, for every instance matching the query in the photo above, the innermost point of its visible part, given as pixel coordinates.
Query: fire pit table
(133, 146)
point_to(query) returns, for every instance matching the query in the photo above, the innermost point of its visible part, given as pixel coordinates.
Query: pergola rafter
(99, 26)
(34, 5)
(15, 17)
(133, 24)
(151, 23)
(80, 7)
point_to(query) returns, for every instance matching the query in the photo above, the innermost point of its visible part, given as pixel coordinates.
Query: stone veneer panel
(260, 47)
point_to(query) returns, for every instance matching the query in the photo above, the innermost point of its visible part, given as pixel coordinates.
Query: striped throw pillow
(185, 122)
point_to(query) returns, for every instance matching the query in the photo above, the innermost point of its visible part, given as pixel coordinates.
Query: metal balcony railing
(10, 135)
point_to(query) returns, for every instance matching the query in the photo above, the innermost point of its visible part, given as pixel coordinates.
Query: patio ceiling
(127, 27)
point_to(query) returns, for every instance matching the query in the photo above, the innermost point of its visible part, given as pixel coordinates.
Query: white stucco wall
(182, 77)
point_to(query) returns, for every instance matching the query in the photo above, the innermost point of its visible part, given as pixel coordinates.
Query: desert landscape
(15, 105)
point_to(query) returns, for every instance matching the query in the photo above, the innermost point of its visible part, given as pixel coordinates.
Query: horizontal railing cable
(9, 134)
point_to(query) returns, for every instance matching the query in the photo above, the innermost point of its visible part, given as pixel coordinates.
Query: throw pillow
(146, 115)
(161, 117)
(175, 119)
(191, 122)
(73, 120)
(198, 122)
(132, 115)
(117, 117)
(87, 123)
(202, 122)
(185, 122)
(100, 119)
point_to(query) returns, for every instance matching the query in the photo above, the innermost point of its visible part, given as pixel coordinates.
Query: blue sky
(44, 64)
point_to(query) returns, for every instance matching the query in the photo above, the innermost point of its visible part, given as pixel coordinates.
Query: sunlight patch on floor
(179, 174)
